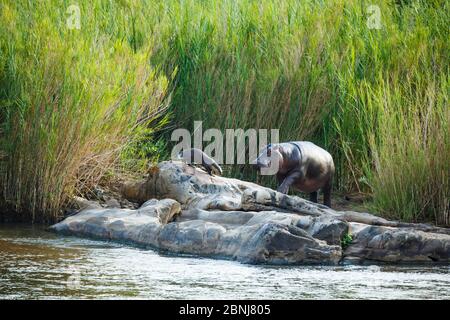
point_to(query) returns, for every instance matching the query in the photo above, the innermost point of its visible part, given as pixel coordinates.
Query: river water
(35, 264)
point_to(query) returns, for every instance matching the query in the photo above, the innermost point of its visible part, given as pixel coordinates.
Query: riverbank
(184, 210)
(368, 82)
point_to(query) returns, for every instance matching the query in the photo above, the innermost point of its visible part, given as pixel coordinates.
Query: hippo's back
(311, 151)
(317, 165)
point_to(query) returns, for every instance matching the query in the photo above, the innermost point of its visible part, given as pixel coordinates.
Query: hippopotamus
(302, 165)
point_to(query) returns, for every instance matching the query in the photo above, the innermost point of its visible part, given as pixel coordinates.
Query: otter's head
(269, 160)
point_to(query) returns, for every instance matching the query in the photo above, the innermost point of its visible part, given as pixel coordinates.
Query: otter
(191, 155)
(302, 165)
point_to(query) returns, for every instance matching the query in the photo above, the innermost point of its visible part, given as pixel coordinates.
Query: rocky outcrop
(228, 218)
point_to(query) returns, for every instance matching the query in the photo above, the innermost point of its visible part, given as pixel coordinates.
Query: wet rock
(228, 218)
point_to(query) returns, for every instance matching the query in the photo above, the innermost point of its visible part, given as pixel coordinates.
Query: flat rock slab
(191, 212)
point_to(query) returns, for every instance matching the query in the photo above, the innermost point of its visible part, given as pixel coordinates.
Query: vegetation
(77, 103)
(346, 240)
(71, 101)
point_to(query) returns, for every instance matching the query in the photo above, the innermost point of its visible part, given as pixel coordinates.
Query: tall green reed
(317, 71)
(71, 100)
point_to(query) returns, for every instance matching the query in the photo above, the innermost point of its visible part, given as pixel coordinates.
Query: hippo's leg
(288, 181)
(313, 196)
(327, 193)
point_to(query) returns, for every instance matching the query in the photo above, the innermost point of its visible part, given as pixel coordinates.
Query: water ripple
(35, 264)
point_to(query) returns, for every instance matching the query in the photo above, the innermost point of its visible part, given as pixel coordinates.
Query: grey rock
(329, 229)
(388, 244)
(185, 210)
(82, 203)
(112, 203)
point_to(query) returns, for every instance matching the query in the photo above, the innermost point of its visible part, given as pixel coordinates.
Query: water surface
(35, 264)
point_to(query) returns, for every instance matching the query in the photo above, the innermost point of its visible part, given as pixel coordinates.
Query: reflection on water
(40, 265)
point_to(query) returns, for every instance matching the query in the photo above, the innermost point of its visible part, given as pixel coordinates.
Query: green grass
(71, 101)
(376, 99)
(346, 241)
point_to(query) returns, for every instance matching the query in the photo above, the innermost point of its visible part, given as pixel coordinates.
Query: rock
(259, 237)
(112, 203)
(82, 203)
(367, 218)
(387, 244)
(124, 203)
(139, 226)
(99, 193)
(228, 218)
(329, 229)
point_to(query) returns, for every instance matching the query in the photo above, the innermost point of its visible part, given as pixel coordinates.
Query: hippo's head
(269, 160)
